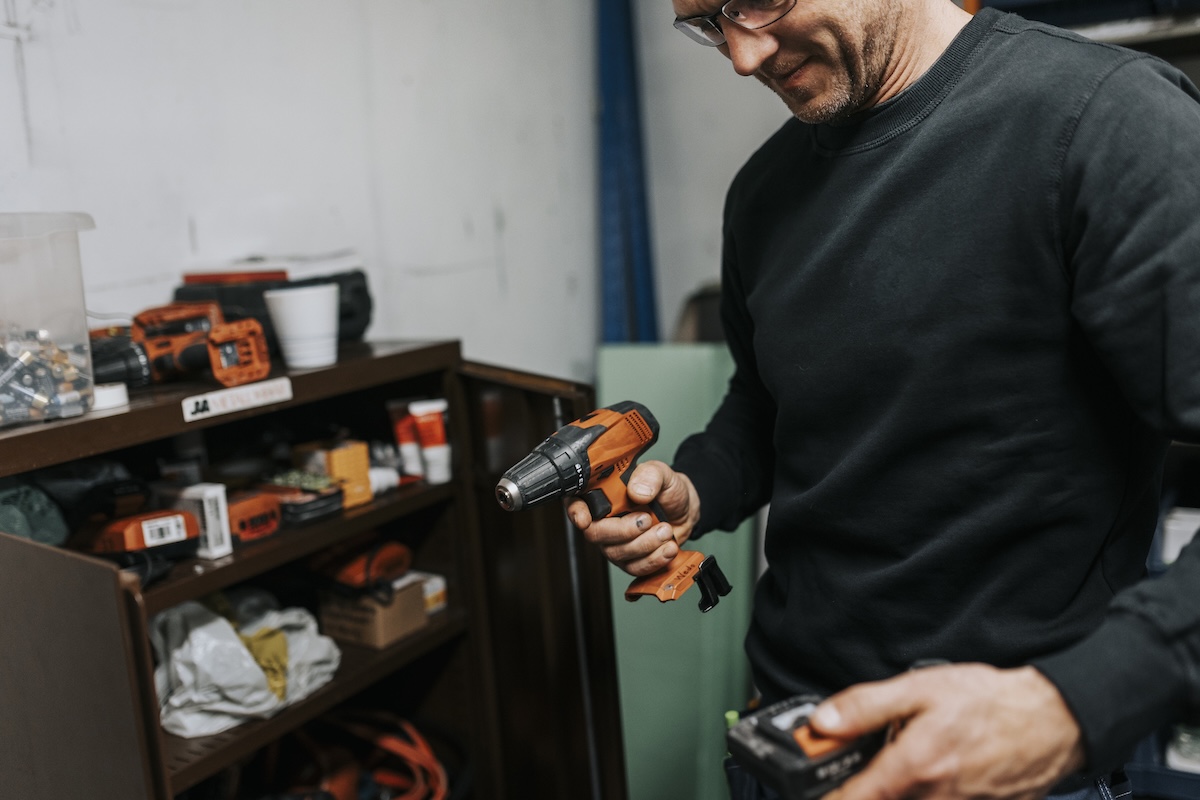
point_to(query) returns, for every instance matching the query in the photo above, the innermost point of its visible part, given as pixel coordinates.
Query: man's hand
(969, 731)
(631, 542)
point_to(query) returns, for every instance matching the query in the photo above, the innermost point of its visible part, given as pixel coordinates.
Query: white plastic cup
(305, 319)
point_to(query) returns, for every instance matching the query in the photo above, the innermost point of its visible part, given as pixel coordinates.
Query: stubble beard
(857, 77)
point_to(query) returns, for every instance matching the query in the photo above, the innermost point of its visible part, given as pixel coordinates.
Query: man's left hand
(969, 731)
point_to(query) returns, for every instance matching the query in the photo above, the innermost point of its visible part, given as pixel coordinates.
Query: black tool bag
(245, 300)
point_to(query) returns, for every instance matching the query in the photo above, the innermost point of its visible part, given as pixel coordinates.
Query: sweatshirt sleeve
(1130, 216)
(731, 462)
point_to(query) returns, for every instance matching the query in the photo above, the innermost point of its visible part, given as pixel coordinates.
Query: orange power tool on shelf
(592, 458)
(179, 339)
(186, 337)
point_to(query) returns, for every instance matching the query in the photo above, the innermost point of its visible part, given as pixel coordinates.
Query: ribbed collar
(884, 122)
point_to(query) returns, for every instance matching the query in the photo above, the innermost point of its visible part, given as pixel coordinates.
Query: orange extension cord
(422, 776)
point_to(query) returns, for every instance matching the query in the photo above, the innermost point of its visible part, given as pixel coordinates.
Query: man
(960, 287)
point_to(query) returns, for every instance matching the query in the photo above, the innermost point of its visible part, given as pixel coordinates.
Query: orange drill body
(592, 458)
(179, 339)
(622, 438)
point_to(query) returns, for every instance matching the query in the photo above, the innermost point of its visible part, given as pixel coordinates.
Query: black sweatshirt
(965, 327)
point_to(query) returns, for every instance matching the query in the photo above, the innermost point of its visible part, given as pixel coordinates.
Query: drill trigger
(712, 582)
(598, 503)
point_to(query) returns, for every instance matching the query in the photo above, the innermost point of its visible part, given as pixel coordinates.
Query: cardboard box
(435, 589)
(348, 462)
(368, 622)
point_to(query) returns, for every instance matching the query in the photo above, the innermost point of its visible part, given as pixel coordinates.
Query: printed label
(163, 530)
(239, 398)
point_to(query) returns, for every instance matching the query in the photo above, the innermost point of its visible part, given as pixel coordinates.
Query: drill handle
(601, 506)
(687, 568)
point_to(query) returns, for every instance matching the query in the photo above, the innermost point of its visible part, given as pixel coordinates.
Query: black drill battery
(777, 746)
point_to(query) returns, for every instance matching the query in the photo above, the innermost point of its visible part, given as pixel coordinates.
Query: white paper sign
(239, 398)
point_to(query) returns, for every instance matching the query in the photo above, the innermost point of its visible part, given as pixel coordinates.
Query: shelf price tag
(238, 398)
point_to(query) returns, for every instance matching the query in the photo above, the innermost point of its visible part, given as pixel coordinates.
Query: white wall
(702, 121)
(453, 149)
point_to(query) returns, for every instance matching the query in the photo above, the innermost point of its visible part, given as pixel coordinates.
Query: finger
(674, 487)
(579, 514)
(868, 707)
(612, 531)
(656, 560)
(654, 546)
(647, 480)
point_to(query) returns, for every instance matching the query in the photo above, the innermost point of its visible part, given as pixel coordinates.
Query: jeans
(744, 786)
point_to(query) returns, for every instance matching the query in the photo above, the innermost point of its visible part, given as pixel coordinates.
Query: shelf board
(190, 761)
(195, 578)
(156, 412)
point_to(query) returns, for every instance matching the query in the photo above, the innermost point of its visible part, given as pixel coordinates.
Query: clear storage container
(45, 360)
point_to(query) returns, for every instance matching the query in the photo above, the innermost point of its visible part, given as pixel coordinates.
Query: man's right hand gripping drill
(631, 542)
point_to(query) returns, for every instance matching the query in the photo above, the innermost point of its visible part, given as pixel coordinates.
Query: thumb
(647, 480)
(866, 707)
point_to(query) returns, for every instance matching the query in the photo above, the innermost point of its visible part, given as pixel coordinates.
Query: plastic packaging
(405, 431)
(45, 360)
(430, 419)
(212, 676)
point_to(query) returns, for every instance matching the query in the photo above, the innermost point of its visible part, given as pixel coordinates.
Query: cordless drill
(592, 458)
(181, 339)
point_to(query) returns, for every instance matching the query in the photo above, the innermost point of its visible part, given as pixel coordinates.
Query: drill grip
(601, 506)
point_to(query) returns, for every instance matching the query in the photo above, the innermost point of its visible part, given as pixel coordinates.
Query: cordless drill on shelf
(592, 458)
(178, 339)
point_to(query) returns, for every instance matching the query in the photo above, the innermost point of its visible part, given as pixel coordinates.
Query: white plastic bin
(45, 360)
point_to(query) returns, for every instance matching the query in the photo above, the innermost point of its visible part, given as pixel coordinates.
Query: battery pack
(777, 746)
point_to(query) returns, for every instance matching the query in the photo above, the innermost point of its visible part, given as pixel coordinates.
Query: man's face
(826, 59)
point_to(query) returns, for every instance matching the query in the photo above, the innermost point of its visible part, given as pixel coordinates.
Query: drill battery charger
(592, 458)
(779, 748)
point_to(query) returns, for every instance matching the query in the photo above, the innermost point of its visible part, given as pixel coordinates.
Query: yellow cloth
(269, 647)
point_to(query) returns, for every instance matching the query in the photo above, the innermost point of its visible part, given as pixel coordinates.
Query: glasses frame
(705, 30)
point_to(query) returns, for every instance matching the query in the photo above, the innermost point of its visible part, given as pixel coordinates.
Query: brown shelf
(156, 412)
(195, 578)
(190, 761)
(78, 679)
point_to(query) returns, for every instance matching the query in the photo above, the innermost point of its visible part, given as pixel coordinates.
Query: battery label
(164, 530)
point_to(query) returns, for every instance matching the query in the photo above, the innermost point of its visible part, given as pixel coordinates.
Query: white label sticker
(239, 398)
(164, 530)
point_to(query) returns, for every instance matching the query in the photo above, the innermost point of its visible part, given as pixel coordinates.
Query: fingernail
(642, 521)
(640, 488)
(664, 534)
(827, 718)
(671, 550)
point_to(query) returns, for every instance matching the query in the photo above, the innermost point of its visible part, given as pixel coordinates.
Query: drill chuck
(551, 470)
(119, 359)
(508, 495)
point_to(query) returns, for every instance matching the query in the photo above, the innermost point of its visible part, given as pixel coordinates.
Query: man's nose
(748, 49)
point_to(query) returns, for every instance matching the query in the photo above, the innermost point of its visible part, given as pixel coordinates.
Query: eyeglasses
(748, 14)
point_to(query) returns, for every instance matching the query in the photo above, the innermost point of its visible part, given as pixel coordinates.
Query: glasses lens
(754, 14)
(702, 30)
